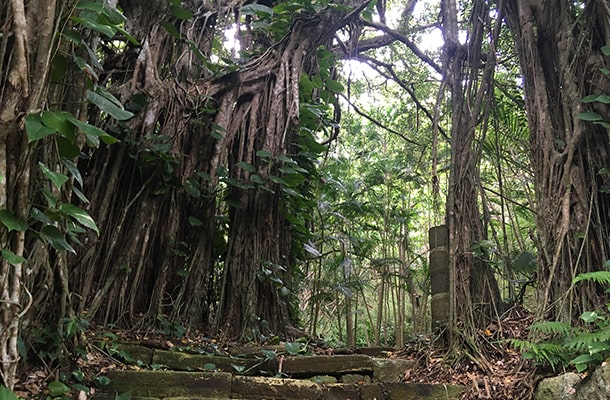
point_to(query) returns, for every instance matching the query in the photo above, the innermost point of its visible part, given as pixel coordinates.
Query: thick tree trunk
(259, 111)
(559, 49)
(475, 297)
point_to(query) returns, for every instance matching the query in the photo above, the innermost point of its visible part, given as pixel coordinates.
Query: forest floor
(498, 373)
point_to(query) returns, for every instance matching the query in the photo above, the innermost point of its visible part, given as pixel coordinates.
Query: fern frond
(554, 328)
(585, 340)
(543, 353)
(601, 277)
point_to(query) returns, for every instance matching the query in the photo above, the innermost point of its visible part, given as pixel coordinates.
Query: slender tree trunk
(26, 44)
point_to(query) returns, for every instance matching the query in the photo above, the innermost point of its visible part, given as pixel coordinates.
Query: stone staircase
(187, 376)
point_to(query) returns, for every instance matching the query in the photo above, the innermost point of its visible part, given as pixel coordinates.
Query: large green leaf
(59, 121)
(259, 10)
(108, 104)
(105, 29)
(79, 215)
(11, 222)
(35, 129)
(56, 239)
(92, 130)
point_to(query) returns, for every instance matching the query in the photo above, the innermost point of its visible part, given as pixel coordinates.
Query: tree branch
(378, 123)
(407, 42)
(392, 75)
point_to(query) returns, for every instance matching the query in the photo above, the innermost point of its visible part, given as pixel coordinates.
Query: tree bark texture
(475, 296)
(559, 46)
(187, 235)
(26, 46)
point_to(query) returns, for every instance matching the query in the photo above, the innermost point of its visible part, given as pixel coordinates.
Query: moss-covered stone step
(175, 385)
(380, 369)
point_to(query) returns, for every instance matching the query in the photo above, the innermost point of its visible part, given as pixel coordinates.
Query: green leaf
(590, 116)
(55, 177)
(12, 258)
(6, 394)
(269, 354)
(108, 104)
(334, 86)
(238, 368)
(589, 316)
(583, 358)
(604, 171)
(246, 166)
(11, 222)
(79, 215)
(259, 10)
(278, 180)
(601, 98)
(123, 396)
(59, 121)
(56, 239)
(292, 348)
(104, 29)
(80, 195)
(93, 130)
(35, 129)
(257, 179)
(73, 170)
(72, 36)
(606, 50)
(171, 29)
(57, 388)
(89, 5)
(180, 13)
(67, 148)
(263, 154)
(104, 380)
(59, 67)
(194, 221)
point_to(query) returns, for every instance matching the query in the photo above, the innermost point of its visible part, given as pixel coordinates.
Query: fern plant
(563, 344)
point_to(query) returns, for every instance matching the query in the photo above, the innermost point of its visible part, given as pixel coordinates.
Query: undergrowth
(582, 346)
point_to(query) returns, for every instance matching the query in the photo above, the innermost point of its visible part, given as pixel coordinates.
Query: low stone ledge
(254, 387)
(164, 384)
(179, 361)
(417, 391)
(390, 369)
(327, 365)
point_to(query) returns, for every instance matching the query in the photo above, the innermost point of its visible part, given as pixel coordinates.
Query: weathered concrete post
(438, 238)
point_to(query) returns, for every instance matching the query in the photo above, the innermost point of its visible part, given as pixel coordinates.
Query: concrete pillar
(438, 238)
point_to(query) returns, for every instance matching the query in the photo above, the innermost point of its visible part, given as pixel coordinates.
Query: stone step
(375, 368)
(182, 385)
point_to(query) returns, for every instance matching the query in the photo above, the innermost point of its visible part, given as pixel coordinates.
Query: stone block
(390, 369)
(255, 387)
(162, 384)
